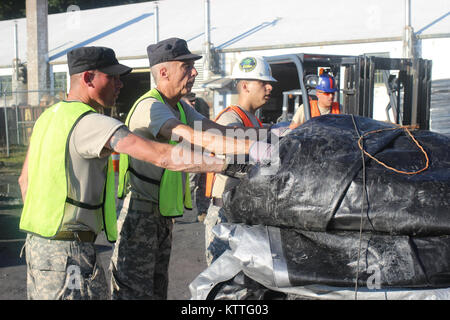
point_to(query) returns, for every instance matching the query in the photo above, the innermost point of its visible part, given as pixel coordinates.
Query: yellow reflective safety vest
(46, 197)
(172, 201)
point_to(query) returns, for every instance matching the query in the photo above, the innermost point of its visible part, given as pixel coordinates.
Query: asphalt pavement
(186, 262)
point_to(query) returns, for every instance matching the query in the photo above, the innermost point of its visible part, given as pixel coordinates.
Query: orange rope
(385, 165)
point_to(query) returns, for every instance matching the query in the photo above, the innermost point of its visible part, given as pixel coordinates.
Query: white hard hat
(252, 67)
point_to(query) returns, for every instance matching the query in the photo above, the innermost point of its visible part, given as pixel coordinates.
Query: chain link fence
(17, 117)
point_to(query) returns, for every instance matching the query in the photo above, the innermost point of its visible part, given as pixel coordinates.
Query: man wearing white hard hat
(253, 77)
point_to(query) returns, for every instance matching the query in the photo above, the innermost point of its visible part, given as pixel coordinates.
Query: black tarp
(316, 198)
(331, 258)
(318, 186)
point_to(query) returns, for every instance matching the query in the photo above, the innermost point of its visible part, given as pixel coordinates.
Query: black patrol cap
(95, 58)
(172, 49)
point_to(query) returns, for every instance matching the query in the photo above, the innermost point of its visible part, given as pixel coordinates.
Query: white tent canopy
(235, 25)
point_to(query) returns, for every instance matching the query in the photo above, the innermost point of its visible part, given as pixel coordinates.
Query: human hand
(280, 129)
(260, 152)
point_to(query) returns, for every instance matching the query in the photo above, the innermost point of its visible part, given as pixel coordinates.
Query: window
(60, 81)
(6, 85)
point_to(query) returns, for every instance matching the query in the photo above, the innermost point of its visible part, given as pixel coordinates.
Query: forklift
(407, 81)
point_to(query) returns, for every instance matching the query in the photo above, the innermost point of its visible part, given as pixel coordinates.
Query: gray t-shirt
(223, 183)
(148, 118)
(87, 165)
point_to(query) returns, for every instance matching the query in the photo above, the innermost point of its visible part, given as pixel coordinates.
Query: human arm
(161, 154)
(23, 178)
(227, 135)
(164, 124)
(253, 133)
(96, 135)
(218, 141)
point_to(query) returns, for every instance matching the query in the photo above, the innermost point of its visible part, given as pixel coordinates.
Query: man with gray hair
(140, 261)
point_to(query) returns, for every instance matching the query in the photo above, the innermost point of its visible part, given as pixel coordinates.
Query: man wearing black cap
(67, 183)
(140, 260)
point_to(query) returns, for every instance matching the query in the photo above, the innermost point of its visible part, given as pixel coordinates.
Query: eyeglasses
(326, 93)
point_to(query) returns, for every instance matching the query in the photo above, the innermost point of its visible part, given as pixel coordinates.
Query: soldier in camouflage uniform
(61, 258)
(140, 261)
(139, 265)
(64, 194)
(71, 272)
(145, 230)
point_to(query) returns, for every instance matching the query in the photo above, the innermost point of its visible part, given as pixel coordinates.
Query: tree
(13, 9)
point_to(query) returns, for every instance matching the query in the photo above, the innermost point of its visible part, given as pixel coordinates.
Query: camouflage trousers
(213, 246)
(63, 270)
(140, 260)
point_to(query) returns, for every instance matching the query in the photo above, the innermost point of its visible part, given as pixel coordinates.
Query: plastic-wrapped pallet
(313, 207)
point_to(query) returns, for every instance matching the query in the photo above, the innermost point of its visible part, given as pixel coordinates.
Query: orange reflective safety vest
(210, 176)
(315, 112)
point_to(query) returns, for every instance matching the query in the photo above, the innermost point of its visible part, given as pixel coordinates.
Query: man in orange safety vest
(325, 104)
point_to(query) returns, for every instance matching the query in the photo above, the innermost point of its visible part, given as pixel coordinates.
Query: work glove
(266, 156)
(238, 171)
(280, 129)
(260, 152)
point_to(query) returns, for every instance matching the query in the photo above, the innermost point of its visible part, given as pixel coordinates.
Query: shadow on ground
(11, 239)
